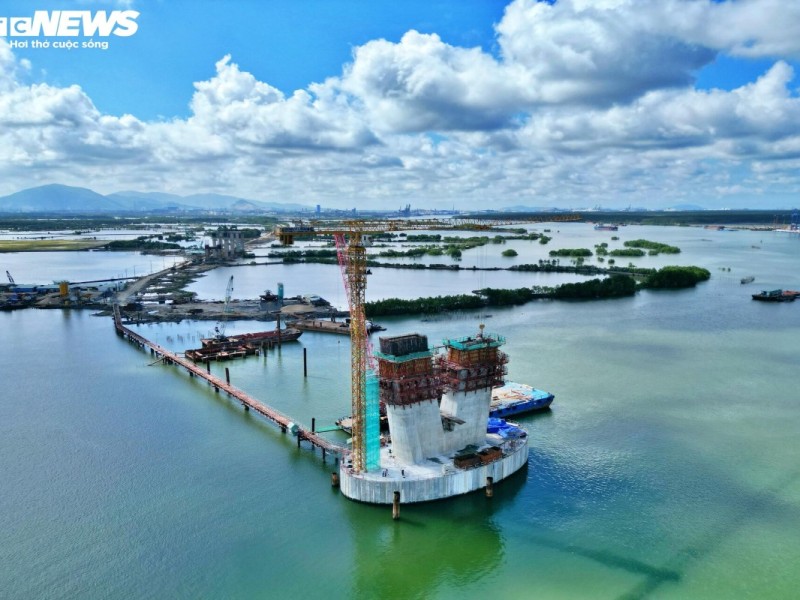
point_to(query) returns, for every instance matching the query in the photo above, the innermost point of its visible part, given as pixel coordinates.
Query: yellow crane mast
(349, 237)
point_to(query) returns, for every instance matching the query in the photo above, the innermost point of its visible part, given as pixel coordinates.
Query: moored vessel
(776, 296)
(289, 334)
(517, 399)
(241, 345)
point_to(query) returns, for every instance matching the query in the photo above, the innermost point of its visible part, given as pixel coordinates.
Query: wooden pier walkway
(283, 421)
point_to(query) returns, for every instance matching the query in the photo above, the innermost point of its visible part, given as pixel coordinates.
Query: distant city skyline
(437, 104)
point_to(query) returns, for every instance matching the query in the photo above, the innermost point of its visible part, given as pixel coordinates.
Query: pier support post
(489, 487)
(227, 376)
(313, 425)
(305, 363)
(278, 327)
(323, 455)
(396, 506)
(208, 366)
(299, 435)
(334, 479)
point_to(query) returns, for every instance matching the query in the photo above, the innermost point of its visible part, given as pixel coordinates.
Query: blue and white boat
(518, 398)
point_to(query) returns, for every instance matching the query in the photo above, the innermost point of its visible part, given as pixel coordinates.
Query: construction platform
(434, 478)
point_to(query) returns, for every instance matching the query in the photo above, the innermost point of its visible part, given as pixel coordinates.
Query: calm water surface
(668, 468)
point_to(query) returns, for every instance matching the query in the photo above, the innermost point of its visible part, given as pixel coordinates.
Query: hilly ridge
(57, 198)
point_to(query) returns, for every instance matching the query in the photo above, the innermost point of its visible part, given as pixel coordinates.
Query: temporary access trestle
(283, 421)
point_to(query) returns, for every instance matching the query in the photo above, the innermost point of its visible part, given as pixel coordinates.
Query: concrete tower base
(432, 479)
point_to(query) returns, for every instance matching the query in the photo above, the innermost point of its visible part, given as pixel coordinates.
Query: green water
(669, 466)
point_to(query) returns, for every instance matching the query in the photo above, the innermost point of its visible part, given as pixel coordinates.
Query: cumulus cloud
(421, 84)
(752, 28)
(584, 100)
(236, 106)
(46, 125)
(764, 112)
(594, 52)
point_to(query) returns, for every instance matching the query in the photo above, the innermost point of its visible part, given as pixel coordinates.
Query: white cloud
(422, 84)
(756, 115)
(752, 28)
(587, 102)
(244, 111)
(595, 52)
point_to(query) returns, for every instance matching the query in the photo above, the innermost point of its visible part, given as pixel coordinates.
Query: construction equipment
(10, 278)
(352, 256)
(219, 330)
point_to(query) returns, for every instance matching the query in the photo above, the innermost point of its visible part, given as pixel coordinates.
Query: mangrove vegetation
(676, 277)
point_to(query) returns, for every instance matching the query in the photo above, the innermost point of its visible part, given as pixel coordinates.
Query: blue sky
(287, 44)
(473, 103)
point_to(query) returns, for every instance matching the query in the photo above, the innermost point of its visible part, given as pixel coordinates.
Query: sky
(466, 104)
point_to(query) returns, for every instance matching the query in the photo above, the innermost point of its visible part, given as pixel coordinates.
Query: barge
(241, 345)
(777, 296)
(328, 326)
(272, 336)
(517, 399)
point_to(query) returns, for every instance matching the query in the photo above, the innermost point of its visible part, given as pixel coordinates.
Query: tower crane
(352, 257)
(219, 330)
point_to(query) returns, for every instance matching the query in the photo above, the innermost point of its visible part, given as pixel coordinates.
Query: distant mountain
(147, 200)
(212, 201)
(209, 202)
(58, 198)
(67, 199)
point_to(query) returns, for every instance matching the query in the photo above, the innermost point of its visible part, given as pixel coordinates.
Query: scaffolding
(407, 371)
(473, 362)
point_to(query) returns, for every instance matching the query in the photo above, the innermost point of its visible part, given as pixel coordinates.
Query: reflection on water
(439, 544)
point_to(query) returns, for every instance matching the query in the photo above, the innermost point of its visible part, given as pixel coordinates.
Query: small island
(613, 286)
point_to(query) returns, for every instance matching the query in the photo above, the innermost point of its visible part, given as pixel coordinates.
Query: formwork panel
(403, 344)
